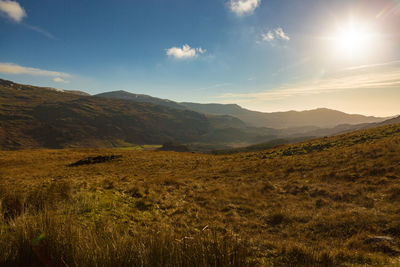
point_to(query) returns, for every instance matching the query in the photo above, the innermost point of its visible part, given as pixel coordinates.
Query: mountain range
(34, 117)
(322, 117)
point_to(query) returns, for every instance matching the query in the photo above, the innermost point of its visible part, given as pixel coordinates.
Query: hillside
(306, 135)
(37, 117)
(345, 128)
(141, 98)
(326, 202)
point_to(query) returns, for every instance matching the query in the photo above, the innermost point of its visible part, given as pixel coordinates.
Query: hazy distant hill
(345, 128)
(322, 117)
(391, 121)
(293, 137)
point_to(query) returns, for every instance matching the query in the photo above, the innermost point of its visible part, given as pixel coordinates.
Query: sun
(353, 40)
(350, 40)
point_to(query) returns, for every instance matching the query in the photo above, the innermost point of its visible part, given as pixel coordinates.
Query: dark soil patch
(95, 160)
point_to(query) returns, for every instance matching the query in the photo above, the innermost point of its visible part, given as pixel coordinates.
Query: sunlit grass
(315, 203)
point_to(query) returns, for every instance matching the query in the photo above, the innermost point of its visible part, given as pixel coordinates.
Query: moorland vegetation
(326, 202)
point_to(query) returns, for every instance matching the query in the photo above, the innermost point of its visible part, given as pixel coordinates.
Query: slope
(141, 98)
(326, 202)
(38, 117)
(219, 121)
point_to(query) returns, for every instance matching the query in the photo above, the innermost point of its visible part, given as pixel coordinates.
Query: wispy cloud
(243, 7)
(185, 52)
(12, 10)
(379, 76)
(218, 85)
(391, 63)
(41, 31)
(60, 80)
(277, 34)
(11, 68)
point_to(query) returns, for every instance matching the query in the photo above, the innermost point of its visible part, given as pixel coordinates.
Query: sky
(265, 55)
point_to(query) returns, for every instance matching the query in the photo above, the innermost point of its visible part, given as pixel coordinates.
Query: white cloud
(275, 34)
(12, 10)
(244, 7)
(280, 34)
(11, 68)
(60, 80)
(186, 52)
(269, 36)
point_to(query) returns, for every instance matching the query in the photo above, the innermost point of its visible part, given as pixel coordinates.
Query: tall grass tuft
(44, 231)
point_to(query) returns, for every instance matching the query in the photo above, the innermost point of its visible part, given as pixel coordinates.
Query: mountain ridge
(320, 117)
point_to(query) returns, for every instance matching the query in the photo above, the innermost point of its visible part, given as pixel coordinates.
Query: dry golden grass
(316, 203)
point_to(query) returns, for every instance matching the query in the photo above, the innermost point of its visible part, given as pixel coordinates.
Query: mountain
(219, 121)
(322, 117)
(34, 117)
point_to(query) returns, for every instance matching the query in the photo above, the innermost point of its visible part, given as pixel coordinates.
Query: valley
(41, 117)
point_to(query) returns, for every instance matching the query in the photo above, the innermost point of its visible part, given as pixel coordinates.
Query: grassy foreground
(326, 202)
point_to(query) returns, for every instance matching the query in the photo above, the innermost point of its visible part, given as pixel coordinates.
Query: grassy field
(326, 202)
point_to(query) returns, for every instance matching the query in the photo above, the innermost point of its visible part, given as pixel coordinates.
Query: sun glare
(352, 41)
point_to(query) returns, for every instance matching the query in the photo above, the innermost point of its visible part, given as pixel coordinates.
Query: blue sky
(264, 55)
